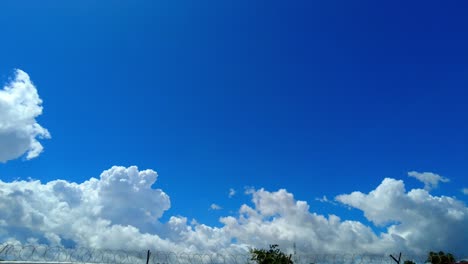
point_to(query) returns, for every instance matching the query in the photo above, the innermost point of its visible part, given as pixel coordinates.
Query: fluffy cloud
(122, 209)
(19, 106)
(277, 217)
(417, 219)
(465, 191)
(430, 180)
(112, 211)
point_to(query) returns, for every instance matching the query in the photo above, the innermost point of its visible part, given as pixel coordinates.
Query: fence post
(148, 256)
(399, 258)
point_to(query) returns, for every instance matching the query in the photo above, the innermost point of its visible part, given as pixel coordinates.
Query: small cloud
(430, 180)
(248, 190)
(232, 192)
(324, 199)
(465, 191)
(194, 222)
(214, 206)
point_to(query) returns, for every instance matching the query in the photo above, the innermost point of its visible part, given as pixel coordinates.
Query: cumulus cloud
(19, 106)
(418, 219)
(112, 211)
(123, 209)
(214, 206)
(276, 217)
(465, 191)
(430, 180)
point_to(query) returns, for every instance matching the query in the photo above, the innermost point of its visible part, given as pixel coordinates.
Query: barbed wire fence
(45, 254)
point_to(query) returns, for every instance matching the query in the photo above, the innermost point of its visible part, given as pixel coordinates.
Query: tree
(271, 256)
(440, 258)
(409, 262)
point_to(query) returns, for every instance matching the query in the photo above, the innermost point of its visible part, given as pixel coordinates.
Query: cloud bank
(19, 106)
(122, 209)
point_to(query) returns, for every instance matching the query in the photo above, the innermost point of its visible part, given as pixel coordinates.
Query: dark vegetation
(440, 258)
(275, 256)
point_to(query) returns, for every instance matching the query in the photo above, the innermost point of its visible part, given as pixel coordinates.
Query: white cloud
(430, 180)
(113, 211)
(232, 192)
(121, 209)
(421, 221)
(19, 106)
(465, 191)
(214, 206)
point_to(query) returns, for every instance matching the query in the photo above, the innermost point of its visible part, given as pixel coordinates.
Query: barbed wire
(43, 253)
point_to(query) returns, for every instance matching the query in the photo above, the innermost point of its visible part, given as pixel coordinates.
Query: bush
(271, 256)
(440, 258)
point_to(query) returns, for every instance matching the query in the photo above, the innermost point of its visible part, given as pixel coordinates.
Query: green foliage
(409, 262)
(440, 258)
(271, 256)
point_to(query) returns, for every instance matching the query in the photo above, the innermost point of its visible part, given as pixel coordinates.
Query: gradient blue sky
(318, 97)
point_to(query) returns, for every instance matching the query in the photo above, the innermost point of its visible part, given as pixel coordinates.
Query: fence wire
(42, 254)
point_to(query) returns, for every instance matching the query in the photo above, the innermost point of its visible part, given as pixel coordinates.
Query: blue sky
(319, 98)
